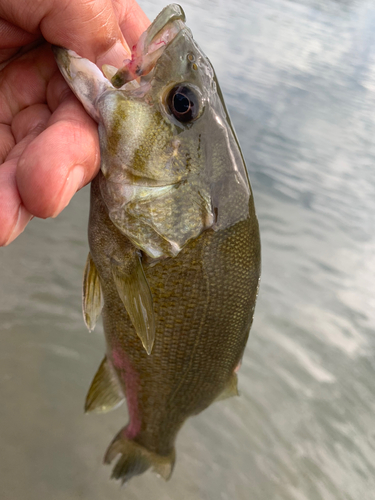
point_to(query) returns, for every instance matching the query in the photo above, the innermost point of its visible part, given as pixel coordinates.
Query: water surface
(299, 81)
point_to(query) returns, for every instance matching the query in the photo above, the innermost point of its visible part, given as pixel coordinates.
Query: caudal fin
(136, 459)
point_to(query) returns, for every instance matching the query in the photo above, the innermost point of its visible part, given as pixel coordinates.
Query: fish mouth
(149, 47)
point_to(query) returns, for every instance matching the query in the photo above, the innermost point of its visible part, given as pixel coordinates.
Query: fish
(174, 260)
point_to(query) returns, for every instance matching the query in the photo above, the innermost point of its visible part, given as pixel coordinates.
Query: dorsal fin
(135, 293)
(91, 294)
(105, 392)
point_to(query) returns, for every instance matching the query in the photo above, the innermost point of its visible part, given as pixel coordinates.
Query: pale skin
(49, 146)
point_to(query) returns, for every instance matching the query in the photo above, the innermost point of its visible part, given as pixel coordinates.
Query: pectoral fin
(92, 294)
(230, 389)
(105, 391)
(136, 296)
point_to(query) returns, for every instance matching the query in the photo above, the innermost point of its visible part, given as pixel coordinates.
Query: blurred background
(299, 81)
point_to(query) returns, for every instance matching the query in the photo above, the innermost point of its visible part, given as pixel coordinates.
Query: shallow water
(299, 81)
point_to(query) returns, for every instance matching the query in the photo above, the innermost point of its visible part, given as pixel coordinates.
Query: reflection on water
(299, 80)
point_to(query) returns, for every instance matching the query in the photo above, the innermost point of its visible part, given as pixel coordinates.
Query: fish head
(171, 163)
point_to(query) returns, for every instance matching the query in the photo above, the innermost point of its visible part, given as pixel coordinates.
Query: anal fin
(105, 392)
(135, 293)
(91, 294)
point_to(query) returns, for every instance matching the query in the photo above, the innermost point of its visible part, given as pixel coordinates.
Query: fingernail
(115, 56)
(72, 185)
(24, 217)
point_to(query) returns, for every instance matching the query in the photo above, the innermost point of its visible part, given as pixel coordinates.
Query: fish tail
(136, 459)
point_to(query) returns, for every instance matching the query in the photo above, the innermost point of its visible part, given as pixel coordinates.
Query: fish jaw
(89, 83)
(84, 78)
(151, 45)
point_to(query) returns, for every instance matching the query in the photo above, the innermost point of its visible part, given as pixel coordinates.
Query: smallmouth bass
(174, 260)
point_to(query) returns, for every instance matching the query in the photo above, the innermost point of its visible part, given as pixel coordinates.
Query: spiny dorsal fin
(136, 296)
(92, 294)
(105, 392)
(230, 389)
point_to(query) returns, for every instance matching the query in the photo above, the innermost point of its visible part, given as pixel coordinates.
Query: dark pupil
(181, 103)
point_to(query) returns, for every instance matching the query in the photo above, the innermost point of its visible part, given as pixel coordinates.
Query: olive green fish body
(203, 303)
(174, 259)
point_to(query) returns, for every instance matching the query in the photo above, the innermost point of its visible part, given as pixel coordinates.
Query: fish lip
(169, 14)
(150, 46)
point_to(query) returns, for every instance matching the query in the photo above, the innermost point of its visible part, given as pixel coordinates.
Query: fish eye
(183, 103)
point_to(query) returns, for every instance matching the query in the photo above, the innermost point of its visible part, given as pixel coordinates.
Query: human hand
(49, 146)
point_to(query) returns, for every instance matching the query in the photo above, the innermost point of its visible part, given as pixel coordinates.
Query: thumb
(89, 27)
